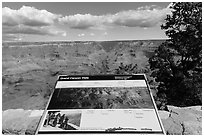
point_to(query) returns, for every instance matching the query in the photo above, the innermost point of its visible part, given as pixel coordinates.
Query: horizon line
(83, 40)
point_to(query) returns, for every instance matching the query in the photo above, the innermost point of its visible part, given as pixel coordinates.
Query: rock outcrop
(182, 120)
(19, 121)
(176, 121)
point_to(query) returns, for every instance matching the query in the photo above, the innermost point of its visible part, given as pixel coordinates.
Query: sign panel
(101, 104)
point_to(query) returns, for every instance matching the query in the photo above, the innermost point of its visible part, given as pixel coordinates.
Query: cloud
(81, 35)
(29, 21)
(29, 16)
(84, 21)
(147, 16)
(105, 33)
(64, 34)
(11, 37)
(22, 29)
(92, 34)
(80, 21)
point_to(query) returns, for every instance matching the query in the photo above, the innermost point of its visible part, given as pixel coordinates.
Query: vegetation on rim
(177, 63)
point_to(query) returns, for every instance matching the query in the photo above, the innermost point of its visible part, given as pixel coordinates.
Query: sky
(83, 21)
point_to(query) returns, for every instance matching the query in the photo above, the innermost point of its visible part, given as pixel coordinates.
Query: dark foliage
(126, 69)
(177, 63)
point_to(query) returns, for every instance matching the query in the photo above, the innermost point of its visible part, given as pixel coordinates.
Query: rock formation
(176, 121)
(182, 121)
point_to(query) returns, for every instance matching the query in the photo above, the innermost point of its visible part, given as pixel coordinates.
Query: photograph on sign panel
(62, 120)
(106, 120)
(101, 98)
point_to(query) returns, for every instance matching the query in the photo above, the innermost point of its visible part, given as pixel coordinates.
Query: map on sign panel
(101, 104)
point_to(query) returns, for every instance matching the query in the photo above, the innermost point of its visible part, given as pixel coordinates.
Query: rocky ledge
(176, 121)
(182, 120)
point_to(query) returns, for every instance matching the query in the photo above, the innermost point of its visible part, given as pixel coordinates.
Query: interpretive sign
(101, 104)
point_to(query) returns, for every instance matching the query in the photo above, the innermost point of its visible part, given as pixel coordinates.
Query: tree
(177, 63)
(126, 69)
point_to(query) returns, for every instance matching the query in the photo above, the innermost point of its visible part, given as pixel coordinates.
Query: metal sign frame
(99, 77)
